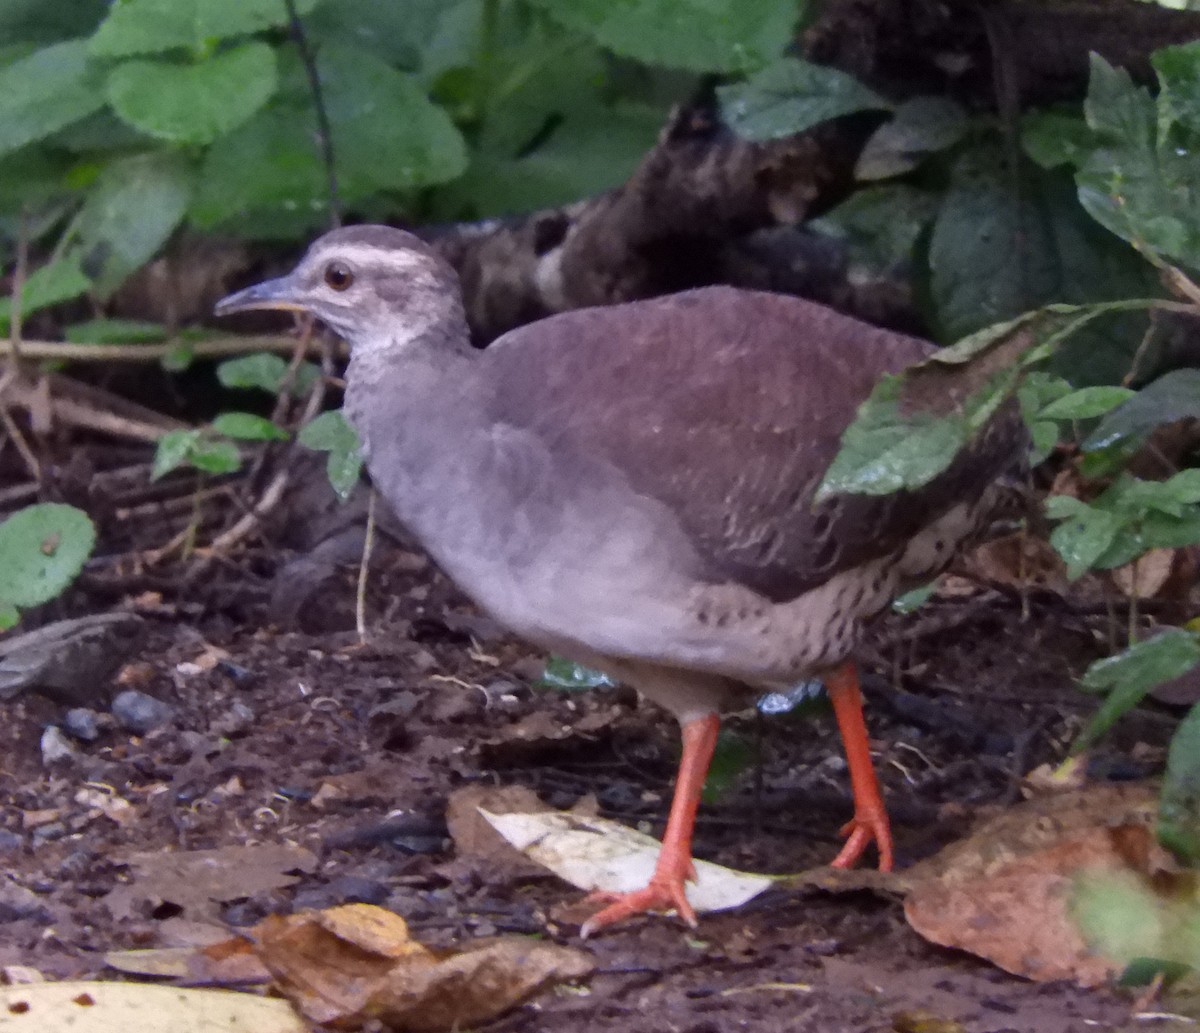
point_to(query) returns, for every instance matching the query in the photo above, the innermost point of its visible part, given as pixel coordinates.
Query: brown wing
(728, 406)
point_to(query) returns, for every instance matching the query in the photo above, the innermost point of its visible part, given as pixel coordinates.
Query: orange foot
(867, 825)
(664, 892)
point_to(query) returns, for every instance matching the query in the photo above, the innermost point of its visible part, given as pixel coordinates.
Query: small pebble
(238, 718)
(56, 747)
(139, 713)
(17, 902)
(10, 842)
(82, 724)
(357, 889)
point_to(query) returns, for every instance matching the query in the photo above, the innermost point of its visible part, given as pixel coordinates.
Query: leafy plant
(42, 549)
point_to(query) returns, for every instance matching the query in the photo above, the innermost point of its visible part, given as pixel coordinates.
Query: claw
(663, 893)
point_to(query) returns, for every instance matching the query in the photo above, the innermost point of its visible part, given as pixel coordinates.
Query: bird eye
(338, 276)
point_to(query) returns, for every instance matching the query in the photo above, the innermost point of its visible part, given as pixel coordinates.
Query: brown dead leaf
(354, 963)
(1004, 892)
(539, 736)
(1020, 561)
(198, 880)
(1147, 576)
(477, 844)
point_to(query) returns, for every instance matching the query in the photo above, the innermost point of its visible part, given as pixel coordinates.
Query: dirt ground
(309, 738)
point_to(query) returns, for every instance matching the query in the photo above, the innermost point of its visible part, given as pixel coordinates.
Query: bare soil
(440, 699)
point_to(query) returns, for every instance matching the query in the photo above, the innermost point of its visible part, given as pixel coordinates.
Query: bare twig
(360, 598)
(324, 132)
(220, 347)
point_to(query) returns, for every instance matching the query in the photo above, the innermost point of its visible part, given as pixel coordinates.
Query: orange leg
(666, 887)
(870, 819)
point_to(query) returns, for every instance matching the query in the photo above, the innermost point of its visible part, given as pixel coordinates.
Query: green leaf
(48, 285)
(1052, 139)
(115, 331)
(733, 756)
(1129, 676)
(881, 225)
(791, 96)
(10, 616)
(42, 549)
(261, 370)
(1178, 71)
(1143, 182)
(153, 26)
(920, 127)
(248, 427)
(174, 449)
(194, 103)
(1086, 403)
(329, 432)
(129, 213)
(887, 449)
(1084, 537)
(1179, 804)
(913, 600)
(1173, 396)
(994, 254)
(45, 91)
(215, 456)
(561, 673)
(388, 135)
(697, 35)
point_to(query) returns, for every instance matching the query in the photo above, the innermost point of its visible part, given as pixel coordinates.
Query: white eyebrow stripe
(365, 256)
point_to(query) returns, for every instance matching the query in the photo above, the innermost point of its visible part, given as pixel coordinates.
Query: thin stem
(324, 132)
(360, 602)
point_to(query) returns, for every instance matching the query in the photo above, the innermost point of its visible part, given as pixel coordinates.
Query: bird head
(373, 285)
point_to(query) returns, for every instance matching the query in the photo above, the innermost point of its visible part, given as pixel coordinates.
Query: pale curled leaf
(594, 853)
(96, 1007)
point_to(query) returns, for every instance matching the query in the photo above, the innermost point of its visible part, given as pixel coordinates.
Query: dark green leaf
(1086, 403)
(791, 96)
(153, 26)
(1128, 676)
(262, 370)
(174, 449)
(912, 601)
(194, 103)
(1179, 805)
(1173, 396)
(920, 127)
(343, 470)
(49, 285)
(215, 456)
(1084, 537)
(1052, 139)
(129, 213)
(115, 331)
(733, 757)
(42, 549)
(1141, 187)
(10, 616)
(1144, 971)
(699, 35)
(995, 254)
(45, 91)
(246, 426)
(1178, 71)
(881, 225)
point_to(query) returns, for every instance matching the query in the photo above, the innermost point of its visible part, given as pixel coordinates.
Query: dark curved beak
(283, 293)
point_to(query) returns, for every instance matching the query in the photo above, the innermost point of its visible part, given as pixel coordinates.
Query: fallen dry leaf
(1020, 561)
(477, 842)
(598, 854)
(1004, 893)
(354, 963)
(1147, 576)
(95, 1007)
(229, 963)
(197, 880)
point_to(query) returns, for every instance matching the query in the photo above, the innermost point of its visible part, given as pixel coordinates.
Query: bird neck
(394, 375)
